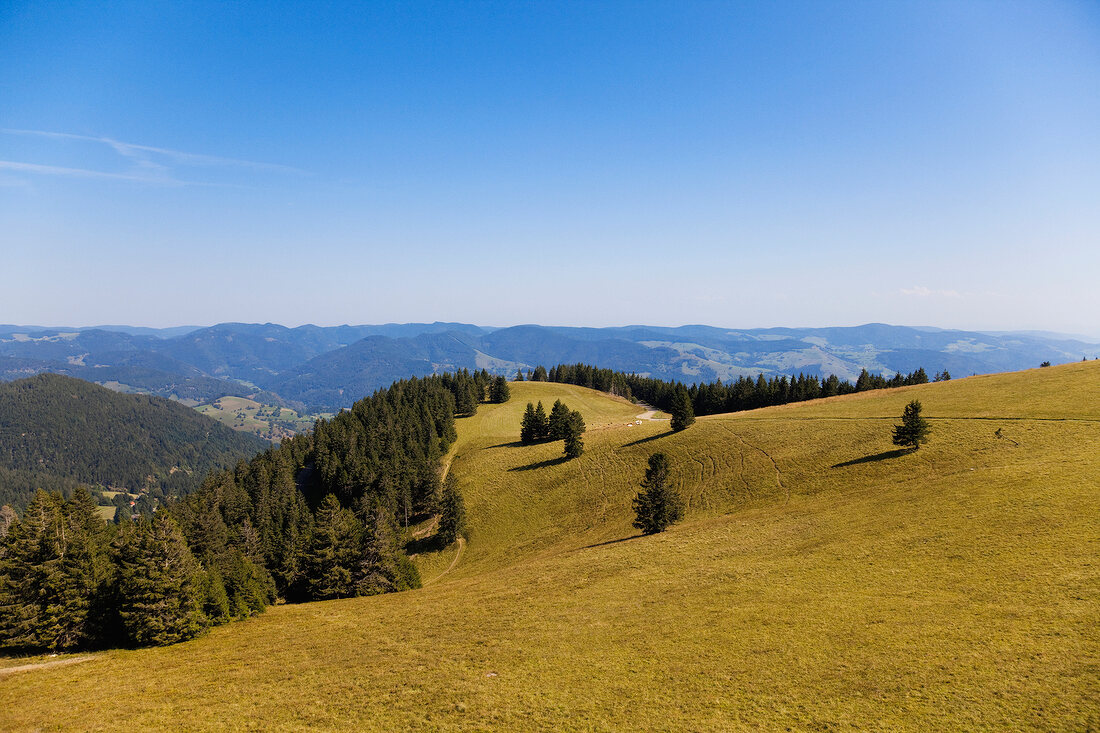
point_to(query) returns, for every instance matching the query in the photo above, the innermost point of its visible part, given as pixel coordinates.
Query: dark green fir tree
(658, 505)
(914, 429)
(681, 410)
(159, 587)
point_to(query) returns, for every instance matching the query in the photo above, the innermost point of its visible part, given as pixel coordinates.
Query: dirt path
(458, 556)
(447, 460)
(649, 413)
(42, 665)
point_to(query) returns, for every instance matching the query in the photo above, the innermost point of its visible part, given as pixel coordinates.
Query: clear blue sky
(736, 164)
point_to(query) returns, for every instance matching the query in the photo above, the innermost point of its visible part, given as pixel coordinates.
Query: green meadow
(822, 580)
(267, 421)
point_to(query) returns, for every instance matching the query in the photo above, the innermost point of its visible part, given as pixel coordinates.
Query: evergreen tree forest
(717, 397)
(57, 432)
(320, 516)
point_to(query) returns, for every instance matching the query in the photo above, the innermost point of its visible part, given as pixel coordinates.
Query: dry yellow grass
(820, 582)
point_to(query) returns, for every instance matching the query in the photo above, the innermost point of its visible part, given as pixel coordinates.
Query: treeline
(716, 397)
(321, 516)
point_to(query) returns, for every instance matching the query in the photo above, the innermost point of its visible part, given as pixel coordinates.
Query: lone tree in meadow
(657, 505)
(913, 429)
(682, 412)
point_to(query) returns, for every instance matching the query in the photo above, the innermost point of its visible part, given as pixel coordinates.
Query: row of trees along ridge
(320, 516)
(717, 397)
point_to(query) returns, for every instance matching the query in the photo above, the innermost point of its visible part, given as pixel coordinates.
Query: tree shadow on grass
(431, 543)
(541, 464)
(639, 441)
(513, 444)
(615, 542)
(871, 459)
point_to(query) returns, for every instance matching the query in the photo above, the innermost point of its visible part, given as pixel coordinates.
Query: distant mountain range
(326, 368)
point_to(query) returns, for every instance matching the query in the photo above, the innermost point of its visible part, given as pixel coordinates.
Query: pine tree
(465, 398)
(215, 601)
(31, 577)
(52, 569)
(574, 428)
(519, 375)
(330, 560)
(558, 423)
(159, 587)
(914, 429)
(682, 413)
(498, 391)
(540, 374)
(529, 426)
(452, 519)
(85, 568)
(542, 422)
(658, 505)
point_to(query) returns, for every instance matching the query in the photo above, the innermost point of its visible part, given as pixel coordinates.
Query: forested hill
(55, 430)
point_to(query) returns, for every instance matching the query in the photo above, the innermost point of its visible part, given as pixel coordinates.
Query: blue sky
(736, 164)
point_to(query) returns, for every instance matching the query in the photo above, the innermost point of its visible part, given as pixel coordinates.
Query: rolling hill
(57, 430)
(821, 580)
(323, 369)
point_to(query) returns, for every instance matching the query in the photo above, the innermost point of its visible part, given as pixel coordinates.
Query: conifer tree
(452, 519)
(498, 391)
(658, 505)
(574, 428)
(52, 568)
(914, 429)
(31, 579)
(331, 559)
(558, 423)
(519, 375)
(682, 413)
(529, 426)
(215, 601)
(85, 568)
(540, 374)
(159, 587)
(542, 422)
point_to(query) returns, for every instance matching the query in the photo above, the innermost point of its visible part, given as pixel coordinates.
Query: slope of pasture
(527, 500)
(820, 581)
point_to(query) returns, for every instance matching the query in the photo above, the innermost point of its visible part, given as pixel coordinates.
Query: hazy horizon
(492, 326)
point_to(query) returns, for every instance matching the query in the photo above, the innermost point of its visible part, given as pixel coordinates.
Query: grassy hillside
(820, 581)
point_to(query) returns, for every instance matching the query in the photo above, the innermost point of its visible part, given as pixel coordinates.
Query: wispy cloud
(147, 164)
(922, 292)
(54, 170)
